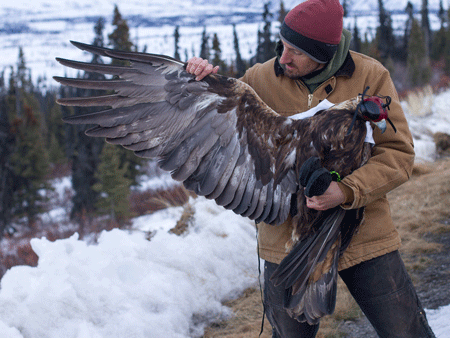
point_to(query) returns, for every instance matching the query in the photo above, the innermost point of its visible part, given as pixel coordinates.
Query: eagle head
(373, 109)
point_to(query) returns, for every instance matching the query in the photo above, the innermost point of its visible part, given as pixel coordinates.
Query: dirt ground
(420, 209)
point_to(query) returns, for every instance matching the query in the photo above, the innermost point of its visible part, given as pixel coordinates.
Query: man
(313, 64)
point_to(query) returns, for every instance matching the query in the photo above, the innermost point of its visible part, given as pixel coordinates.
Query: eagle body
(223, 142)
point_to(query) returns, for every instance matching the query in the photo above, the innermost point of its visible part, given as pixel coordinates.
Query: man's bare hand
(331, 198)
(200, 68)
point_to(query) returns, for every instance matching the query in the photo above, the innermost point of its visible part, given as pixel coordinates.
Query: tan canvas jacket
(390, 165)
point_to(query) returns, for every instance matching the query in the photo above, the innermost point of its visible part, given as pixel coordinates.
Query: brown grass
(418, 207)
(419, 101)
(147, 202)
(186, 219)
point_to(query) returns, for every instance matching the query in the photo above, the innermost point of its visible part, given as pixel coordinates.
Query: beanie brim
(318, 51)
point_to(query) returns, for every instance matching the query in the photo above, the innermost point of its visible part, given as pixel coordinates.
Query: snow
(435, 118)
(127, 286)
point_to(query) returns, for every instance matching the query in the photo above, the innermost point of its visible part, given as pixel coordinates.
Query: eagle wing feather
(200, 131)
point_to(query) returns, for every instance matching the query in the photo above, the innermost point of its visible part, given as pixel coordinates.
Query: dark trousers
(381, 287)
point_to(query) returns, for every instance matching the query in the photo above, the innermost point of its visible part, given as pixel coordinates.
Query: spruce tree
(356, 39)
(27, 159)
(85, 151)
(120, 40)
(29, 163)
(7, 141)
(345, 6)
(176, 36)
(266, 47)
(282, 12)
(385, 33)
(426, 30)
(204, 47)
(113, 185)
(441, 14)
(217, 59)
(408, 24)
(418, 64)
(240, 64)
(55, 135)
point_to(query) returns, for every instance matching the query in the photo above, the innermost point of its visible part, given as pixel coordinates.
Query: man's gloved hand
(321, 191)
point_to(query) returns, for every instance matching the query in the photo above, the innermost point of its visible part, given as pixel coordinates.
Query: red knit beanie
(315, 28)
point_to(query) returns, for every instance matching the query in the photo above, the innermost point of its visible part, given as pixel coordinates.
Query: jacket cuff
(349, 195)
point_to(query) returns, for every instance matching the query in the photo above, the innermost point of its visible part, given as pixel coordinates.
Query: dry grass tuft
(246, 322)
(147, 202)
(442, 141)
(186, 219)
(419, 102)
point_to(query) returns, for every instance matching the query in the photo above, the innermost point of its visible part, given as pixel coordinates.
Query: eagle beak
(382, 125)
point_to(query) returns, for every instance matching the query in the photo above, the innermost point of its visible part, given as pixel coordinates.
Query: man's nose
(285, 57)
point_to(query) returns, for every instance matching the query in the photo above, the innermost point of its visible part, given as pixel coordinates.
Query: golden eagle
(223, 142)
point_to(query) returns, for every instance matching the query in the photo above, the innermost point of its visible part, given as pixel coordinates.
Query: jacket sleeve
(392, 156)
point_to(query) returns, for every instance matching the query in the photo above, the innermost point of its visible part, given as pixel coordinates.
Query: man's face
(296, 63)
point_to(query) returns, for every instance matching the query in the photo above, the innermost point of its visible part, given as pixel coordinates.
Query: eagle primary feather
(223, 142)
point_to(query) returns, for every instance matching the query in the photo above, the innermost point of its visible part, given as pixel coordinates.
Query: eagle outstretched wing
(203, 132)
(223, 142)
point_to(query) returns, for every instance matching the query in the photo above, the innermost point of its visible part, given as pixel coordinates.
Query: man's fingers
(200, 68)
(192, 64)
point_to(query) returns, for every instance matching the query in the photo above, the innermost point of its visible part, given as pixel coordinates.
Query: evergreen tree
(408, 24)
(266, 47)
(426, 30)
(439, 45)
(418, 65)
(26, 156)
(29, 163)
(98, 37)
(113, 185)
(85, 151)
(204, 48)
(217, 59)
(356, 39)
(441, 14)
(345, 6)
(176, 36)
(385, 33)
(7, 141)
(240, 64)
(55, 134)
(120, 40)
(282, 12)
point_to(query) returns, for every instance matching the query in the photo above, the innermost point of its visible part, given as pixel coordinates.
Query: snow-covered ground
(128, 286)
